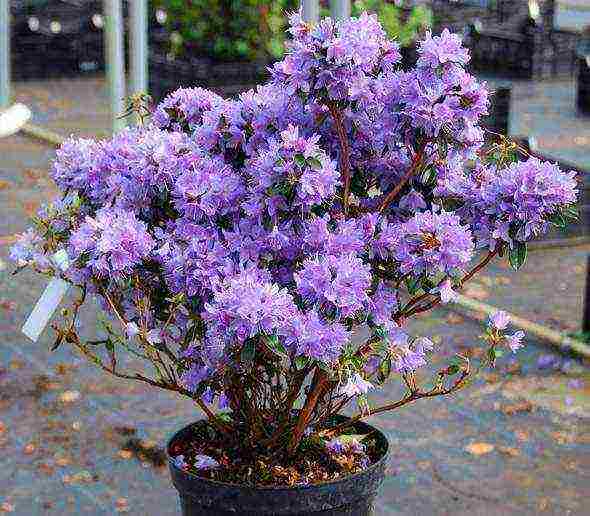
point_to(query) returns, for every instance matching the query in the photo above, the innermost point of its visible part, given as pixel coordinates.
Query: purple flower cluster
(428, 243)
(112, 243)
(289, 217)
(512, 204)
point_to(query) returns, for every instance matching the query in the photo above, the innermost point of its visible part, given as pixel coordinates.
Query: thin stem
(344, 153)
(435, 301)
(391, 195)
(408, 398)
(155, 383)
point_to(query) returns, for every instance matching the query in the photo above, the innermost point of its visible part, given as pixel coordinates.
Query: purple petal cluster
(429, 243)
(514, 203)
(113, 243)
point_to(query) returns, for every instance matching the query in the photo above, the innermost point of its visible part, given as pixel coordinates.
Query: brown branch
(420, 309)
(344, 153)
(318, 388)
(391, 195)
(73, 339)
(409, 398)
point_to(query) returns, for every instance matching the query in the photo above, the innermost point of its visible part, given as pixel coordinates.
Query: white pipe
(311, 10)
(115, 60)
(340, 9)
(4, 53)
(138, 36)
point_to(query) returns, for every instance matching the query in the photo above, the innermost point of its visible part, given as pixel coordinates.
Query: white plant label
(48, 302)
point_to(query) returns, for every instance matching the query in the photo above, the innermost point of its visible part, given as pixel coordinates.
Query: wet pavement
(517, 441)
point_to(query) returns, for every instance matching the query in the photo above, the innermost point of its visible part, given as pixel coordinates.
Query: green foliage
(405, 30)
(228, 29)
(255, 29)
(391, 17)
(517, 255)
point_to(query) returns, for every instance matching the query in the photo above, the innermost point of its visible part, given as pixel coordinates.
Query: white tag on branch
(49, 300)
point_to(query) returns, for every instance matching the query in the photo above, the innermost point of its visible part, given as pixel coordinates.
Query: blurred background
(73, 441)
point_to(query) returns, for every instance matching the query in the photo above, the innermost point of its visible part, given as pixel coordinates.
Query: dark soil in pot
(351, 494)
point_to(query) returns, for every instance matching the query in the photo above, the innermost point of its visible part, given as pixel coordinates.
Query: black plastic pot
(350, 496)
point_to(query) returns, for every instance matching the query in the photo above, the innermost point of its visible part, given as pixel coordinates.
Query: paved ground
(516, 442)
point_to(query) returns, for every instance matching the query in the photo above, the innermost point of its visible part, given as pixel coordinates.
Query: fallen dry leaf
(121, 502)
(8, 239)
(6, 507)
(48, 469)
(29, 449)
(69, 396)
(515, 408)
(479, 448)
(564, 437)
(509, 450)
(2, 427)
(32, 175)
(521, 435)
(486, 280)
(30, 207)
(125, 454)
(8, 305)
(82, 477)
(454, 319)
(63, 461)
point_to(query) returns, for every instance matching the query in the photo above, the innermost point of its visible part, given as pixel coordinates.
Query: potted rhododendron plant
(263, 255)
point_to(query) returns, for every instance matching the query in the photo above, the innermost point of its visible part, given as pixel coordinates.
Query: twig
(344, 153)
(406, 177)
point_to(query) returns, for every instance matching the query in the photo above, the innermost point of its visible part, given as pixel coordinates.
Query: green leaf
(301, 362)
(384, 370)
(274, 345)
(300, 159)
(248, 351)
(349, 438)
(453, 369)
(315, 163)
(571, 213)
(413, 285)
(558, 219)
(517, 255)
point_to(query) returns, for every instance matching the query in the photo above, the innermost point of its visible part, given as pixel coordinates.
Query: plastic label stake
(49, 301)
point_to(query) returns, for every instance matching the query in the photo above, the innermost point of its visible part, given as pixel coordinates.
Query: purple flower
(356, 385)
(549, 361)
(341, 281)
(223, 401)
(335, 446)
(356, 447)
(318, 338)
(442, 50)
(113, 243)
(179, 462)
(408, 357)
(428, 243)
(131, 330)
(499, 320)
(219, 229)
(447, 294)
(205, 462)
(27, 249)
(514, 341)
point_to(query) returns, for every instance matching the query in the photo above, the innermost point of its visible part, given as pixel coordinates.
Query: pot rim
(175, 436)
